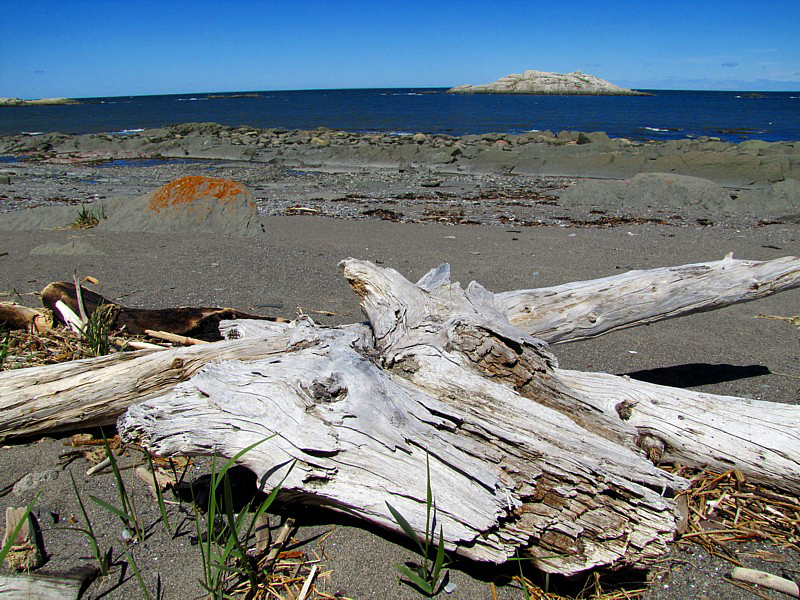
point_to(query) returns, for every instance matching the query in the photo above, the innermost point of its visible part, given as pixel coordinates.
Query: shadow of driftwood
(697, 374)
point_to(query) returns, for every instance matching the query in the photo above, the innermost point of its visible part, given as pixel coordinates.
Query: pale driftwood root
(586, 309)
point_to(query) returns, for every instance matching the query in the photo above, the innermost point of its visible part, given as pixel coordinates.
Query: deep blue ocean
(668, 114)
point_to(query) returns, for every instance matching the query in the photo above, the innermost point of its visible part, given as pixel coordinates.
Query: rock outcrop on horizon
(543, 82)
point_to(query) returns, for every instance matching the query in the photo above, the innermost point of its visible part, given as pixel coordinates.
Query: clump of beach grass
(88, 218)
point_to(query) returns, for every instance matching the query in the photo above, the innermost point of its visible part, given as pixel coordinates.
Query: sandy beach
(506, 231)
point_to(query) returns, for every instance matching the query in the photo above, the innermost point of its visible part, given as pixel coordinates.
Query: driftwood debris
(197, 322)
(766, 580)
(25, 551)
(17, 316)
(47, 586)
(524, 456)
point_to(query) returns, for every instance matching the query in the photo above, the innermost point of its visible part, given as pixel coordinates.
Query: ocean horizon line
(432, 89)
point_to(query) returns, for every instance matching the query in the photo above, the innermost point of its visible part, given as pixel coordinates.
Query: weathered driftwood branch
(523, 455)
(586, 309)
(95, 391)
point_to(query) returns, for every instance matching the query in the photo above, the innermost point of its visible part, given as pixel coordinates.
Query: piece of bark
(17, 316)
(197, 322)
(586, 309)
(47, 586)
(95, 391)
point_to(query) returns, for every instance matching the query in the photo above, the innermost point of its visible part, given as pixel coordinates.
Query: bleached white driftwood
(522, 454)
(585, 309)
(95, 391)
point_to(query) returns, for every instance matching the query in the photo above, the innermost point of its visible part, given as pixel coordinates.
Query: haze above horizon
(91, 48)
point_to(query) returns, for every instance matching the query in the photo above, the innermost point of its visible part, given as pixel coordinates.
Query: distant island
(543, 82)
(39, 102)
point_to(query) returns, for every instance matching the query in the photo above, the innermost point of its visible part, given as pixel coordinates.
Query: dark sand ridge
(294, 264)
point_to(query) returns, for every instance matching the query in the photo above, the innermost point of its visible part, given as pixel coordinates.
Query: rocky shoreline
(507, 211)
(567, 153)
(568, 179)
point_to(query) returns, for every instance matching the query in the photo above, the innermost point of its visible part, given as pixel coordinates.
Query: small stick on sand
(171, 337)
(767, 580)
(307, 584)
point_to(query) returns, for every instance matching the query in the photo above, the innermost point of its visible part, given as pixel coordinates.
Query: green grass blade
(159, 496)
(125, 500)
(428, 506)
(522, 578)
(406, 527)
(240, 454)
(234, 524)
(439, 562)
(415, 579)
(112, 509)
(268, 502)
(145, 592)
(80, 503)
(101, 560)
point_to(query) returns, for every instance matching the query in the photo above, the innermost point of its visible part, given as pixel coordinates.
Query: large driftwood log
(27, 408)
(95, 391)
(585, 309)
(523, 454)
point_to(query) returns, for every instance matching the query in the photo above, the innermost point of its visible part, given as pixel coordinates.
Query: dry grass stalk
(592, 590)
(725, 507)
(293, 572)
(60, 344)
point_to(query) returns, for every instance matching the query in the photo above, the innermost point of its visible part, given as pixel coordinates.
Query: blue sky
(84, 48)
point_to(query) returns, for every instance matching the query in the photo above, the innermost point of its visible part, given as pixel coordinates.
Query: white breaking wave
(33, 132)
(126, 131)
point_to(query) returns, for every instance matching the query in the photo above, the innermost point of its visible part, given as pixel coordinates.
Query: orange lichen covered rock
(193, 203)
(187, 190)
